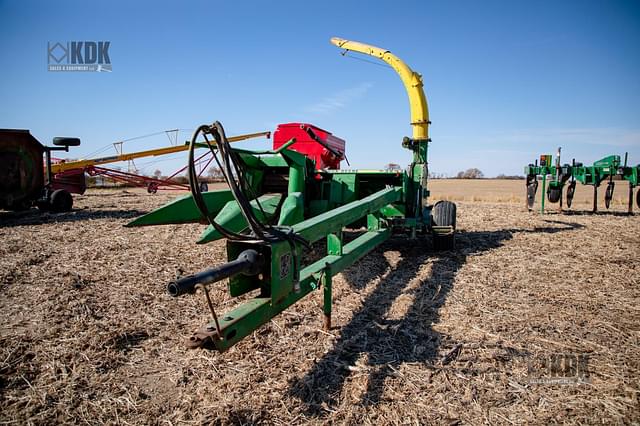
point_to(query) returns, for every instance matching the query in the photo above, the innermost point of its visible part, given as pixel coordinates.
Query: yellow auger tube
(412, 82)
(81, 164)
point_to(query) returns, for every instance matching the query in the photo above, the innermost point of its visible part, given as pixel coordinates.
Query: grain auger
(282, 201)
(608, 169)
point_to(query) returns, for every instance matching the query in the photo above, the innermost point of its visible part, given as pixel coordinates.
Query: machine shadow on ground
(36, 217)
(385, 344)
(596, 213)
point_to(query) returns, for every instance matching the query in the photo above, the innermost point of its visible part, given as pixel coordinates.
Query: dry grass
(89, 336)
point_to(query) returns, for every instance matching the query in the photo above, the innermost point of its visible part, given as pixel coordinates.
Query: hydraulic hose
(231, 166)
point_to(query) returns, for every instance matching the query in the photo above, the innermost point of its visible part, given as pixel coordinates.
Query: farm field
(513, 191)
(89, 335)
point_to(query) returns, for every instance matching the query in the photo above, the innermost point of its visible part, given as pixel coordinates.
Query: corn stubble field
(88, 334)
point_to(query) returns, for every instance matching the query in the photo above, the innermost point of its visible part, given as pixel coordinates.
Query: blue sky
(506, 80)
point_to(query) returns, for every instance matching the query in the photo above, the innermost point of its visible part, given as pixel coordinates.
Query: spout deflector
(412, 82)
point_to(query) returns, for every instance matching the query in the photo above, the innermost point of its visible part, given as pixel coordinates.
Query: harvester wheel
(152, 188)
(554, 194)
(444, 214)
(204, 187)
(608, 194)
(638, 198)
(43, 205)
(61, 201)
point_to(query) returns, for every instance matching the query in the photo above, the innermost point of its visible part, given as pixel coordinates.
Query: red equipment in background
(70, 175)
(72, 181)
(320, 145)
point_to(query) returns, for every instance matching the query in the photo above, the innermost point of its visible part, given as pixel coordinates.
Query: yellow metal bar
(81, 164)
(412, 82)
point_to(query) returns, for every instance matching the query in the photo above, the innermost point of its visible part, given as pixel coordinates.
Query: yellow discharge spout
(412, 82)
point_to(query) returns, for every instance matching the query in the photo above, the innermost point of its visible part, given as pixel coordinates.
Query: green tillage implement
(608, 169)
(283, 206)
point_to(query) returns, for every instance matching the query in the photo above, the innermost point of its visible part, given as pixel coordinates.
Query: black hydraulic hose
(249, 262)
(231, 170)
(195, 187)
(230, 159)
(231, 166)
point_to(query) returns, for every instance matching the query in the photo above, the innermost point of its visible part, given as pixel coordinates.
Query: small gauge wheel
(554, 194)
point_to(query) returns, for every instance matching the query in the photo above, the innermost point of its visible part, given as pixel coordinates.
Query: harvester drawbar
(609, 169)
(281, 201)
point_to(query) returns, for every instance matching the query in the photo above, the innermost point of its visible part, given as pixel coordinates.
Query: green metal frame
(286, 189)
(285, 282)
(303, 192)
(317, 205)
(609, 168)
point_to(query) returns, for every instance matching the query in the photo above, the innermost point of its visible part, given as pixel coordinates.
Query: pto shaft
(248, 262)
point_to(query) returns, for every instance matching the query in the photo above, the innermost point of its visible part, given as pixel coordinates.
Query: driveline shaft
(248, 262)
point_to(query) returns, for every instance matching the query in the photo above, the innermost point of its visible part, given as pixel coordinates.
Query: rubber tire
(554, 194)
(61, 201)
(638, 198)
(444, 214)
(43, 206)
(204, 187)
